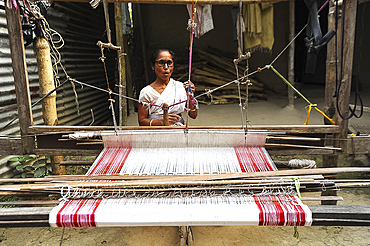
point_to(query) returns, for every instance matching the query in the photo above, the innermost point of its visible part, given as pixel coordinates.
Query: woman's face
(163, 66)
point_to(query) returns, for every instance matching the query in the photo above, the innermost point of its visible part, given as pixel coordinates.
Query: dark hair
(156, 54)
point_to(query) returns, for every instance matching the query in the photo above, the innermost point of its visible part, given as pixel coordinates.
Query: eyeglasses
(161, 63)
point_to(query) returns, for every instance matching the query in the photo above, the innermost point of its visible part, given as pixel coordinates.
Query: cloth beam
(177, 211)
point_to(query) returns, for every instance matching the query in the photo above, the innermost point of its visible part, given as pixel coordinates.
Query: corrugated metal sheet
(81, 27)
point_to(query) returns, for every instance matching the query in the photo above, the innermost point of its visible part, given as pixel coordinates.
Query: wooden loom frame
(26, 144)
(45, 135)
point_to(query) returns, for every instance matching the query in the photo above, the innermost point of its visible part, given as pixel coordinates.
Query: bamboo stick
(301, 146)
(254, 175)
(76, 163)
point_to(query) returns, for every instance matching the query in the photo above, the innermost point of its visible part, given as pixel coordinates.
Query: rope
(300, 94)
(302, 163)
(191, 26)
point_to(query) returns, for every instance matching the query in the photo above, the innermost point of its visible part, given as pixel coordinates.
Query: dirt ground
(272, 111)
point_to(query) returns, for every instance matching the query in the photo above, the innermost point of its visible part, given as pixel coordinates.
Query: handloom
(172, 152)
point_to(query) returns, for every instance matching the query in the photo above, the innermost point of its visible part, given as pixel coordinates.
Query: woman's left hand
(186, 86)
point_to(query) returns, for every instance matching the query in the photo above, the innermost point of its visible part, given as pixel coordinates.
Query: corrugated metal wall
(81, 27)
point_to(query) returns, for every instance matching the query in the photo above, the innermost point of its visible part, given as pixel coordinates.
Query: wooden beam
(121, 64)
(77, 163)
(73, 152)
(291, 51)
(341, 212)
(296, 129)
(348, 51)
(321, 215)
(213, 2)
(11, 146)
(20, 75)
(293, 152)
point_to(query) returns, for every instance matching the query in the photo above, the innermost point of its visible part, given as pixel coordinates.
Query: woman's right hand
(173, 118)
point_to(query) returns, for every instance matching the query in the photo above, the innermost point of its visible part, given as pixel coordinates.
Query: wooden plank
(340, 212)
(320, 198)
(76, 163)
(11, 146)
(340, 222)
(20, 75)
(213, 2)
(294, 152)
(31, 202)
(73, 152)
(304, 129)
(26, 213)
(24, 223)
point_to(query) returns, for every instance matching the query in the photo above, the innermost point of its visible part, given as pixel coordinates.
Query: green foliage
(2, 237)
(30, 166)
(8, 199)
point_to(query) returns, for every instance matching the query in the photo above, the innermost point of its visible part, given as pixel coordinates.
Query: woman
(164, 90)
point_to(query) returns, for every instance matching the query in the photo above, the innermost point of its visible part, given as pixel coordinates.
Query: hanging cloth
(203, 19)
(314, 40)
(126, 19)
(259, 25)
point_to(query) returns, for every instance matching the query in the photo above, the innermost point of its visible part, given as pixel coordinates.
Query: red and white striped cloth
(180, 161)
(202, 211)
(127, 155)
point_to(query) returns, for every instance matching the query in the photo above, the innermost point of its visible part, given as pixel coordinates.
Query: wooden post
(165, 115)
(49, 105)
(330, 87)
(142, 40)
(329, 103)
(129, 86)
(348, 50)
(182, 236)
(20, 75)
(344, 93)
(122, 65)
(291, 52)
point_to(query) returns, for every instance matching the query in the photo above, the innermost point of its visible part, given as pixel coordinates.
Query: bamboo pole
(192, 180)
(49, 107)
(291, 52)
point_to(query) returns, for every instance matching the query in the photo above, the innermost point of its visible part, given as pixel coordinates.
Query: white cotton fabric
(173, 93)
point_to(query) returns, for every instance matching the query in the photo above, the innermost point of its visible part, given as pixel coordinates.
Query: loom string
(189, 92)
(311, 105)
